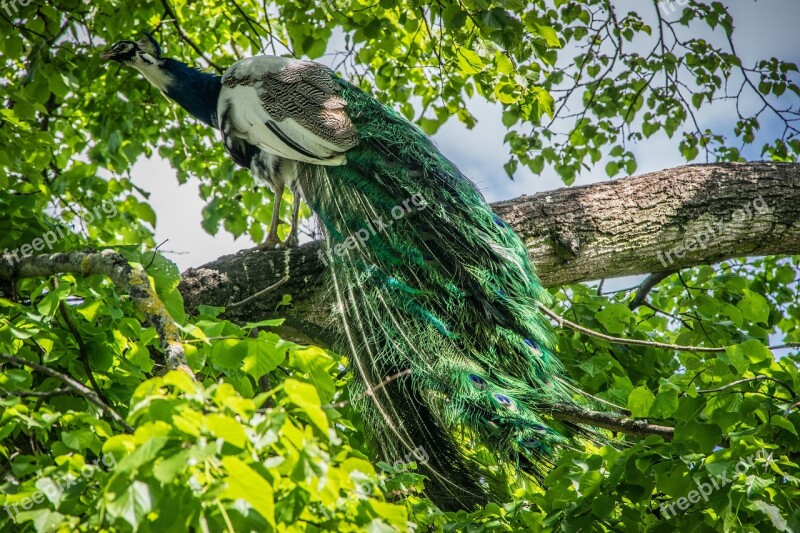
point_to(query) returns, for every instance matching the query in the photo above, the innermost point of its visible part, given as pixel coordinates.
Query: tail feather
(429, 279)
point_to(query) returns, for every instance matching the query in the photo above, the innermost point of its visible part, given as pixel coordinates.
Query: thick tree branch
(658, 222)
(112, 265)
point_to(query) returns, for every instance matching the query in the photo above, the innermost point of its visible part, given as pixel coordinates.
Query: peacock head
(145, 51)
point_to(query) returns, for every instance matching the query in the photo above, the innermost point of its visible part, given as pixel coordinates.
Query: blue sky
(763, 29)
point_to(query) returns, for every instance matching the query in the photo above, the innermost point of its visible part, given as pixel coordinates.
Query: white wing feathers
(287, 107)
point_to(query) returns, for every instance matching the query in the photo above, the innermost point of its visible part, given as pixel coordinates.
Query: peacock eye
(534, 346)
(478, 381)
(505, 401)
(531, 443)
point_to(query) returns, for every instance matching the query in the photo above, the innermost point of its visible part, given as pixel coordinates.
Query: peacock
(437, 296)
(199, 94)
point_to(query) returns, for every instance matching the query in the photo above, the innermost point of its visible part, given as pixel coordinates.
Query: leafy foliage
(219, 454)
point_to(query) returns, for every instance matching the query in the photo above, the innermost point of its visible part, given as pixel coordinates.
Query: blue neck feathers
(195, 91)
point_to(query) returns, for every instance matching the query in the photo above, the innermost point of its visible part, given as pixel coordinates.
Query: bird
(199, 94)
(438, 299)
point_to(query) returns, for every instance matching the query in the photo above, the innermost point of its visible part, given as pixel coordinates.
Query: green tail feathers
(434, 286)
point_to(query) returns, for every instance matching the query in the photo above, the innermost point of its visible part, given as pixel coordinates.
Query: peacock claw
(292, 241)
(272, 243)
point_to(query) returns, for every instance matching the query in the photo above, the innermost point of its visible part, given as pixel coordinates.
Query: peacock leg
(293, 240)
(273, 241)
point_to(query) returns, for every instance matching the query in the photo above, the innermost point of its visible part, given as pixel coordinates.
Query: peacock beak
(108, 54)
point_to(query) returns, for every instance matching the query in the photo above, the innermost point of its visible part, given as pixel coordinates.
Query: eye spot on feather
(499, 222)
(539, 429)
(532, 444)
(534, 346)
(505, 401)
(478, 381)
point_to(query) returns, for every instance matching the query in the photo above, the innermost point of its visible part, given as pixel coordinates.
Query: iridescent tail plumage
(436, 288)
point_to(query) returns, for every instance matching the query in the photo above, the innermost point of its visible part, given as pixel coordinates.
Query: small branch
(630, 342)
(42, 395)
(562, 322)
(750, 380)
(115, 267)
(84, 353)
(78, 387)
(622, 424)
(260, 293)
(646, 286)
(370, 391)
(185, 38)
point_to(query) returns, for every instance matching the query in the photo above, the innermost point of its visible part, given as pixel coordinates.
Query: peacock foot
(276, 244)
(292, 241)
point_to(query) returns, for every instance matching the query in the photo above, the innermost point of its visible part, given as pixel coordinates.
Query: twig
(749, 380)
(42, 395)
(80, 388)
(370, 391)
(155, 252)
(646, 286)
(617, 340)
(562, 322)
(259, 294)
(112, 265)
(622, 424)
(84, 353)
(185, 38)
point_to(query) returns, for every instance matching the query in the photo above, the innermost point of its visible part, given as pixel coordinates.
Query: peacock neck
(195, 91)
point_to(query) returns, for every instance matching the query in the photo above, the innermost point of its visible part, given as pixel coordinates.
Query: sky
(762, 29)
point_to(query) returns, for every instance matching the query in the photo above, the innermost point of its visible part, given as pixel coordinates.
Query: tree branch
(622, 424)
(115, 267)
(78, 387)
(658, 222)
(82, 351)
(563, 322)
(647, 285)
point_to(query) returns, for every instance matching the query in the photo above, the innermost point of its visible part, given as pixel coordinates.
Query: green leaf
(640, 401)
(615, 317)
(132, 504)
(773, 512)
(246, 484)
(227, 429)
(306, 398)
(550, 36)
(264, 354)
(229, 353)
(469, 62)
(754, 307)
(665, 404)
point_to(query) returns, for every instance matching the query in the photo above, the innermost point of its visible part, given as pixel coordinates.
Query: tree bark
(658, 222)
